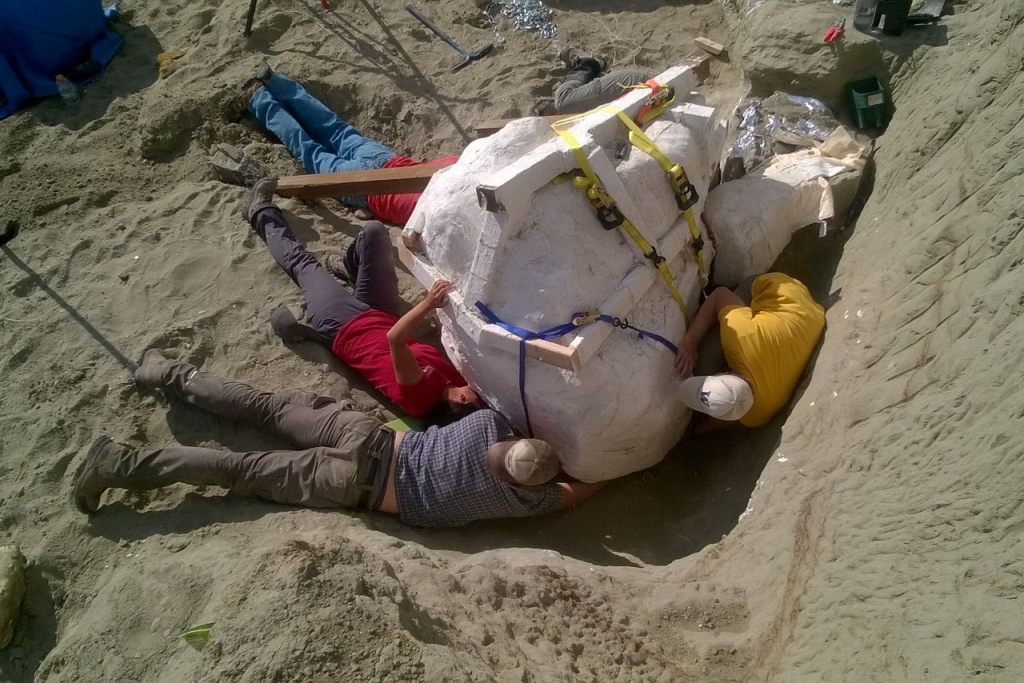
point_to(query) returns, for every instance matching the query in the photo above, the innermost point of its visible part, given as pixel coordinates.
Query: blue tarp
(42, 38)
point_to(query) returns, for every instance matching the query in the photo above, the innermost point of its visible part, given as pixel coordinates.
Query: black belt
(374, 484)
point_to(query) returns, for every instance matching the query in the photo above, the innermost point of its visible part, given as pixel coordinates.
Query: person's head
(453, 405)
(528, 462)
(723, 397)
(463, 400)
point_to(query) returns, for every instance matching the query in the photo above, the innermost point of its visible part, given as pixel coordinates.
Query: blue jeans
(314, 134)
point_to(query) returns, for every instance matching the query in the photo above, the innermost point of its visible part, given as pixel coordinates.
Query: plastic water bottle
(68, 91)
(864, 15)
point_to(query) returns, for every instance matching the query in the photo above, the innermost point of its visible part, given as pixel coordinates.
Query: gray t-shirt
(441, 477)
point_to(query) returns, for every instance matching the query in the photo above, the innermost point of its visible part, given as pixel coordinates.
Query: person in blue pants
(322, 140)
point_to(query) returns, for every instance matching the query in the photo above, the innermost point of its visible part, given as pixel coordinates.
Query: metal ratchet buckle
(585, 318)
(686, 193)
(607, 213)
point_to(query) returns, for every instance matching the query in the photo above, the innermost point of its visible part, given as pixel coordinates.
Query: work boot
(263, 72)
(154, 368)
(261, 196)
(574, 59)
(238, 106)
(335, 265)
(96, 473)
(289, 329)
(589, 65)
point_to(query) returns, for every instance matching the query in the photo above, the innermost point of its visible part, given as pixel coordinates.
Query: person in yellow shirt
(766, 346)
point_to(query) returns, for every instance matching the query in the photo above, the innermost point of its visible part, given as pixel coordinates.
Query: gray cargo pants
(579, 93)
(369, 260)
(344, 459)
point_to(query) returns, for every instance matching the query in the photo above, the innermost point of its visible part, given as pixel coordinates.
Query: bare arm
(575, 492)
(407, 368)
(702, 323)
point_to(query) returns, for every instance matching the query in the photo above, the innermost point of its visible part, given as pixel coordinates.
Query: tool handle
(429, 24)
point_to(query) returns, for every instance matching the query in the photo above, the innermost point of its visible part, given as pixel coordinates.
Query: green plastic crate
(868, 102)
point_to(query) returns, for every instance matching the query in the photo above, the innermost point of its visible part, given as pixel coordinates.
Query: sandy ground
(870, 534)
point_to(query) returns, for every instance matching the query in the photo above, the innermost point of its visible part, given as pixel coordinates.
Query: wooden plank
(709, 45)
(402, 180)
(548, 352)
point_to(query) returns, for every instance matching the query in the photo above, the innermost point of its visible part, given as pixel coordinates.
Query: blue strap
(625, 324)
(525, 336)
(554, 333)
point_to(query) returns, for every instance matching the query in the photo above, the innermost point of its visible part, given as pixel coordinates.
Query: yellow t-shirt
(770, 341)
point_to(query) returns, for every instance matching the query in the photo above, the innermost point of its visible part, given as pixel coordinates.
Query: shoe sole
(234, 109)
(261, 195)
(77, 495)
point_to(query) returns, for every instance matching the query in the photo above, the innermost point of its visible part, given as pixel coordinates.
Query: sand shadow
(37, 280)
(386, 57)
(126, 521)
(132, 69)
(407, 74)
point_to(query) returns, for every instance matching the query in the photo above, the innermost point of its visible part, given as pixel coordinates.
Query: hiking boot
(238, 106)
(290, 330)
(263, 72)
(261, 196)
(573, 59)
(335, 265)
(94, 475)
(590, 65)
(152, 370)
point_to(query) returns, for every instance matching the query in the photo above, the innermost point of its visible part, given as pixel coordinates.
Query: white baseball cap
(724, 397)
(530, 462)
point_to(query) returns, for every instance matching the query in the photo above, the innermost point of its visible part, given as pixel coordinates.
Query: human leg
(582, 90)
(325, 126)
(317, 477)
(328, 303)
(371, 265)
(272, 115)
(304, 419)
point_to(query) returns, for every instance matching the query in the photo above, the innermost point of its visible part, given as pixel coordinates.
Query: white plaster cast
(754, 217)
(605, 400)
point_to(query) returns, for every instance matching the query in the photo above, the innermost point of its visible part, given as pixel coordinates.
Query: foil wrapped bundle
(526, 15)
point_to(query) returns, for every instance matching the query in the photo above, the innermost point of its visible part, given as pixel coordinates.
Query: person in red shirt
(364, 328)
(322, 141)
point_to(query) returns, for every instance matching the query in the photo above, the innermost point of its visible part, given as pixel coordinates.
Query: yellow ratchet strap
(611, 217)
(685, 192)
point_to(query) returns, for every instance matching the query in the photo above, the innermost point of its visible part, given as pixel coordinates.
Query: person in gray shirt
(476, 468)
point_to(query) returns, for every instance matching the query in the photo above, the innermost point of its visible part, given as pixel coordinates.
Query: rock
(234, 166)
(12, 590)
(176, 545)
